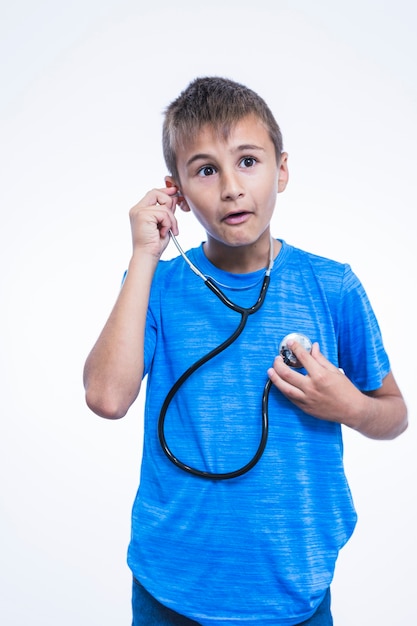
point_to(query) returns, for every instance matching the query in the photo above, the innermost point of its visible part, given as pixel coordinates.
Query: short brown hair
(219, 102)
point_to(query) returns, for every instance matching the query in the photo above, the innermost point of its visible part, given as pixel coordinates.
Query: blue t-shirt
(260, 548)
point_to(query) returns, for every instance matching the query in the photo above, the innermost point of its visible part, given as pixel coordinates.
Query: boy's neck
(241, 259)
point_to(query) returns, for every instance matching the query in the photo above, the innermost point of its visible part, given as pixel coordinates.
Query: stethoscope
(288, 356)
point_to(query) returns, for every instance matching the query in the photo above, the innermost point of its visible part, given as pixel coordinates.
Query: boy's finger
(302, 355)
(158, 197)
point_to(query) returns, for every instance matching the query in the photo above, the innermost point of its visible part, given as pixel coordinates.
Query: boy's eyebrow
(241, 148)
(197, 157)
(249, 146)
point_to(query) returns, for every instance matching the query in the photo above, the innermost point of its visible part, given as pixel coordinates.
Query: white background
(83, 86)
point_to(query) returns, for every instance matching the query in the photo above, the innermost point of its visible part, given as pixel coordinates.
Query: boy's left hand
(324, 392)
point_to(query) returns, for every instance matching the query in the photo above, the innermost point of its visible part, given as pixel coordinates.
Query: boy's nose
(232, 187)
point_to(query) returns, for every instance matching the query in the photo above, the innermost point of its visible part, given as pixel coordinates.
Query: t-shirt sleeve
(361, 351)
(150, 341)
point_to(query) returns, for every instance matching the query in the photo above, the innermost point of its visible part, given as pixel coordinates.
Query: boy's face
(231, 185)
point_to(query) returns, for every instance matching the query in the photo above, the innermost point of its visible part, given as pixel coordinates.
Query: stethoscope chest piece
(287, 355)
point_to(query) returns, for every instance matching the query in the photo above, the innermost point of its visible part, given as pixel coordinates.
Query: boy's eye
(207, 170)
(248, 162)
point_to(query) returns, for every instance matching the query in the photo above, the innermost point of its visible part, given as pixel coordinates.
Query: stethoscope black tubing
(245, 313)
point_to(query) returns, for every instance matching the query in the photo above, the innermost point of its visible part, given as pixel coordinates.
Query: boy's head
(218, 102)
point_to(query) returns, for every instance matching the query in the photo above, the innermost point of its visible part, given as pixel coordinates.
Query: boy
(239, 519)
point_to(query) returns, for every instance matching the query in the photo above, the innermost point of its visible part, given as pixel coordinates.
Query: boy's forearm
(114, 368)
(384, 413)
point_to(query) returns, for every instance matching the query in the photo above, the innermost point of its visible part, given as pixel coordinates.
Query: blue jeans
(149, 612)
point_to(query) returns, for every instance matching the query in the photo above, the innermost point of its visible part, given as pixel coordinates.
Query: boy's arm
(114, 368)
(326, 393)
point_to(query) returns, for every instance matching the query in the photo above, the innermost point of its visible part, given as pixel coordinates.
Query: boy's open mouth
(236, 218)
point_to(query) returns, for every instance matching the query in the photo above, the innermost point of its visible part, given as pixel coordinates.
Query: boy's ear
(170, 182)
(283, 173)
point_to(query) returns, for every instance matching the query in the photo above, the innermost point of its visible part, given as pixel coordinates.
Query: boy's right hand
(152, 219)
